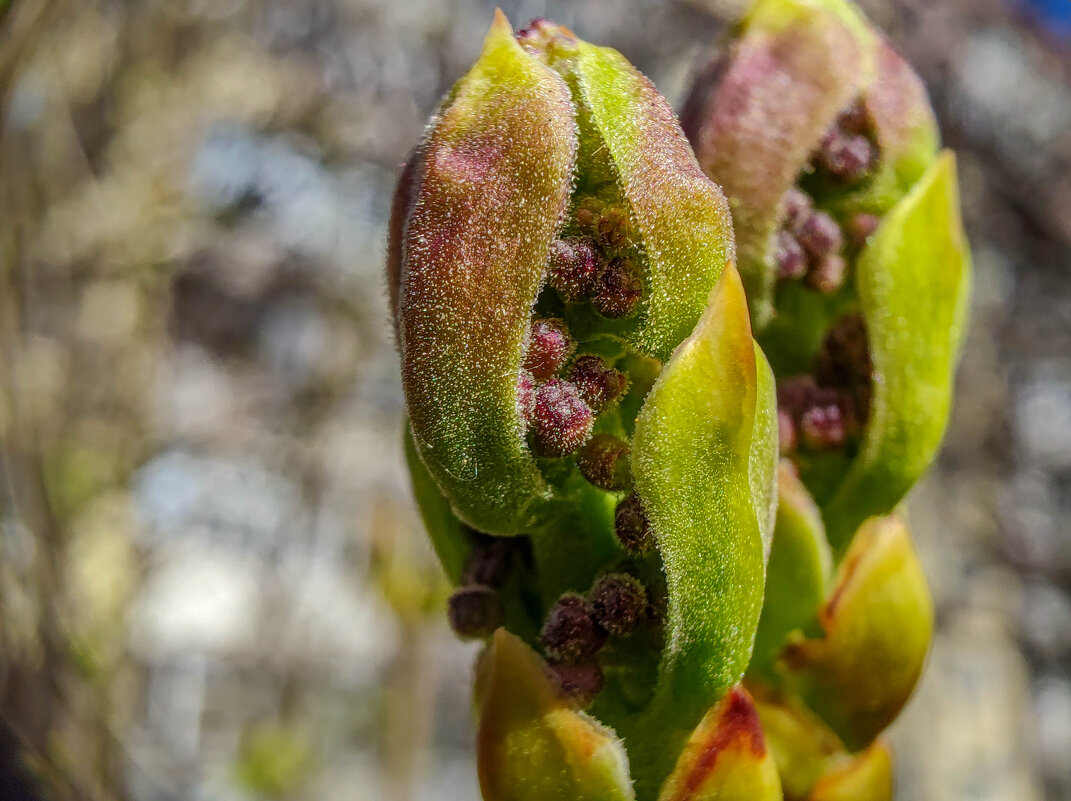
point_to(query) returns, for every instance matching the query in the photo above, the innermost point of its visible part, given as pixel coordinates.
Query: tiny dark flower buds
(819, 235)
(796, 206)
(824, 426)
(571, 633)
(619, 602)
(580, 683)
(598, 384)
(561, 422)
(574, 264)
(847, 157)
(604, 461)
(618, 289)
(474, 611)
(791, 261)
(549, 348)
(828, 274)
(632, 527)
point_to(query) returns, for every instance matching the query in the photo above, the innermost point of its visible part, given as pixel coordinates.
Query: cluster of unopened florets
(826, 410)
(475, 607)
(811, 245)
(577, 628)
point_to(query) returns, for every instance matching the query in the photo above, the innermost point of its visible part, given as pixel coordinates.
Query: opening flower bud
(598, 384)
(549, 348)
(619, 602)
(474, 611)
(574, 265)
(631, 526)
(571, 632)
(561, 421)
(604, 461)
(618, 289)
(581, 682)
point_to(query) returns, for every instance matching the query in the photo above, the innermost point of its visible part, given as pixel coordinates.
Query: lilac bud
(549, 348)
(618, 289)
(619, 602)
(604, 461)
(632, 527)
(824, 426)
(571, 633)
(796, 206)
(580, 683)
(847, 157)
(598, 384)
(561, 421)
(819, 235)
(474, 611)
(791, 261)
(827, 276)
(574, 264)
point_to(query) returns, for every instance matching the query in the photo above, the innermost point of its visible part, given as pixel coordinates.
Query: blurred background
(213, 584)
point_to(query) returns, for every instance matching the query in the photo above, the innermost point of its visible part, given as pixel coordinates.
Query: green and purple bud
(825, 143)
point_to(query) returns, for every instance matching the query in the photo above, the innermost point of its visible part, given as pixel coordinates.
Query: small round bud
(613, 227)
(574, 264)
(619, 602)
(847, 157)
(632, 527)
(571, 633)
(796, 206)
(598, 384)
(859, 228)
(786, 432)
(824, 426)
(561, 421)
(549, 348)
(790, 258)
(474, 611)
(588, 213)
(618, 289)
(604, 461)
(580, 683)
(827, 276)
(819, 235)
(526, 390)
(795, 394)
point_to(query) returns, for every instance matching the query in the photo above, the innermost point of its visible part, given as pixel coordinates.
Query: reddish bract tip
(561, 421)
(549, 348)
(604, 461)
(619, 602)
(571, 633)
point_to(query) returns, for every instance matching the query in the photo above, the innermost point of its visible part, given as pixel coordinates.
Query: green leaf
(798, 574)
(913, 281)
(494, 183)
(691, 467)
(447, 533)
(876, 630)
(531, 745)
(681, 214)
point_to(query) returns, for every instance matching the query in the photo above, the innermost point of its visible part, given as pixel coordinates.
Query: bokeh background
(213, 584)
